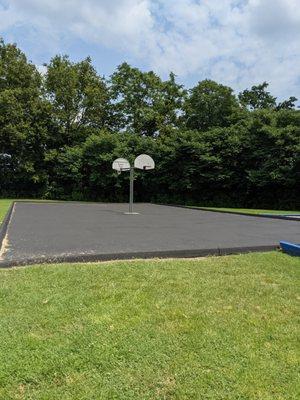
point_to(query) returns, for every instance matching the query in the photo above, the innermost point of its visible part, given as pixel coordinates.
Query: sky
(238, 43)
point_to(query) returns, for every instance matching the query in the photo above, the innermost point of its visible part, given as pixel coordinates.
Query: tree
(143, 103)
(208, 105)
(79, 98)
(257, 97)
(24, 117)
(65, 179)
(60, 133)
(99, 151)
(287, 104)
(271, 158)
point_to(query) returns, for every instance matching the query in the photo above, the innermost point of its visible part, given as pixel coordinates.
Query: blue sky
(235, 42)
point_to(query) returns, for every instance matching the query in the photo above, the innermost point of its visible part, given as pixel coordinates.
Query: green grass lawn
(211, 328)
(4, 205)
(251, 210)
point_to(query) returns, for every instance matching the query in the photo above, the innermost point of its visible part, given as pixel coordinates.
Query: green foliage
(257, 97)
(287, 104)
(23, 121)
(79, 97)
(143, 103)
(209, 105)
(273, 152)
(60, 132)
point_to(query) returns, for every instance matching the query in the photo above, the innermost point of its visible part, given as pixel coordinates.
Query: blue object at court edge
(292, 249)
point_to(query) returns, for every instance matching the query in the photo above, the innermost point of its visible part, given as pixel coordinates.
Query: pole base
(131, 213)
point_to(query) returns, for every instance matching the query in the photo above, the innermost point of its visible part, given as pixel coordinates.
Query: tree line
(60, 131)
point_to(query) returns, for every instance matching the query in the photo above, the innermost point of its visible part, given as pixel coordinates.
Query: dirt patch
(4, 247)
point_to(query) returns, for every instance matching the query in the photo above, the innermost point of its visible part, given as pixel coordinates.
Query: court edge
(80, 258)
(274, 216)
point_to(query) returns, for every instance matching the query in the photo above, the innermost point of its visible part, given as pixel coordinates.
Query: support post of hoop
(131, 189)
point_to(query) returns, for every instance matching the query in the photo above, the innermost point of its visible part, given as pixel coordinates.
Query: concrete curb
(137, 255)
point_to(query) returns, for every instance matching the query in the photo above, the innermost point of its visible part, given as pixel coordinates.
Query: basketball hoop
(143, 161)
(121, 164)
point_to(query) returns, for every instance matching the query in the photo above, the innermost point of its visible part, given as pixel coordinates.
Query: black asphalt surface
(88, 231)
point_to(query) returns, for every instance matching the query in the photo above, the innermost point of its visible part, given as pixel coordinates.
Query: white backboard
(121, 164)
(144, 162)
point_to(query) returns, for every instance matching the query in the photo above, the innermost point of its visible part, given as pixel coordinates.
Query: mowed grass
(211, 328)
(252, 211)
(4, 206)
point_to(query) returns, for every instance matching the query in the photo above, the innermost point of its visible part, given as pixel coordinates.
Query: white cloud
(237, 42)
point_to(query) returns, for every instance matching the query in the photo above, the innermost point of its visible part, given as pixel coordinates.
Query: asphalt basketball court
(66, 231)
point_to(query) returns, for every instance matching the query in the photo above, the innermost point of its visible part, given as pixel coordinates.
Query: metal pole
(131, 190)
